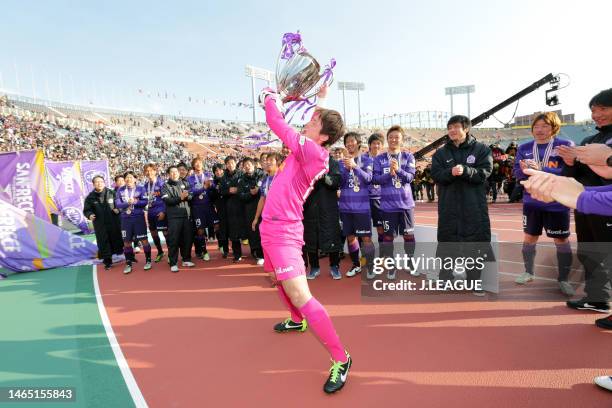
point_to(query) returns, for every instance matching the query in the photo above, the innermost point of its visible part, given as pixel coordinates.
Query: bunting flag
(64, 181)
(28, 243)
(22, 182)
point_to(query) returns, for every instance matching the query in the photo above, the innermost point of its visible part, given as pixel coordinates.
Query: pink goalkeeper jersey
(295, 178)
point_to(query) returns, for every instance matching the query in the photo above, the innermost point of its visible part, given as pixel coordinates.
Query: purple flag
(28, 243)
(22, 182)
(90, 169)
(64, 180)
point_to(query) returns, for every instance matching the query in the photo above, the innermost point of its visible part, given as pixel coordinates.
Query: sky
(405, 52)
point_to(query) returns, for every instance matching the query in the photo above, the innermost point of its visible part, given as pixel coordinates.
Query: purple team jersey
(554, 165)
(201, 195)
(266, 183)
(121, 201)
(395, 192)
(373, 189)
(354, 194)
(153, 192)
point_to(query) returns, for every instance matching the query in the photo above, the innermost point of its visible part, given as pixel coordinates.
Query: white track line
(128, 377)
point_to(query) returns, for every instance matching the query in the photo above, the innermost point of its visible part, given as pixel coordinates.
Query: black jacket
(107, 225)
(463, 215)
(321, 213)
(249, 201)
(582, 172)
(171, 194)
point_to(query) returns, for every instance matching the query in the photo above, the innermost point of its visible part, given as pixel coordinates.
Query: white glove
(264, 94)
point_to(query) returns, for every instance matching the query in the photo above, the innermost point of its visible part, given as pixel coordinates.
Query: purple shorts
(555, 223)
(133, 227)
(204, 217)
(155, 224)
(357, 224)
(398, 223)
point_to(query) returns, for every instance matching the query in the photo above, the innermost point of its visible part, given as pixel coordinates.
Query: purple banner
(22, 182)
(64, 181)
(28, 243)
(90, 169)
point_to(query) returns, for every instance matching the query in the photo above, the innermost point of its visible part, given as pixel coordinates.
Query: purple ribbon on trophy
(298, 76)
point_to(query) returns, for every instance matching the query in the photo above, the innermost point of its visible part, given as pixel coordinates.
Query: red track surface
(203, 338)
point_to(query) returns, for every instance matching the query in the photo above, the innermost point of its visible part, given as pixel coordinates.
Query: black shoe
(225, 255)
(236, 260)
(107, 267)
(605, 323)
(584, 304)
(338, 374)
(290, 326)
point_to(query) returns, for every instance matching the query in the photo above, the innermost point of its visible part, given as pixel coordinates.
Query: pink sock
(322, 326)
(296, 316)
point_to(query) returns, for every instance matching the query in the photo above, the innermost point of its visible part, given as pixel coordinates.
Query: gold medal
(128, 212)
(356, 189)
(201, 196)
(398, 184)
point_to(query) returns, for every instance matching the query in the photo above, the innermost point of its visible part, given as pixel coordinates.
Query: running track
(203, 338)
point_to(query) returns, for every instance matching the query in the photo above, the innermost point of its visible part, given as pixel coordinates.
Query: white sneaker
(137, 250)
(524, 278)
(188, 264)
(604, 381)
(566, 288)
(206, 257)
(353, 271)
(260, 261)
(127, 269)
(174, 268)
(147, 266)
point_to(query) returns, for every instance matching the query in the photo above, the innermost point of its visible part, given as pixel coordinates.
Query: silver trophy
(298, 75)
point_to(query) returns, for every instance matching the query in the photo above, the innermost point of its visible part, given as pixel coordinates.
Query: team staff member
(234, 207)
(461, 168)
(131, 200)
(99, 207)
(249, 191)
(156, 209)
(592, 228)
(220, 203)
(175, 194)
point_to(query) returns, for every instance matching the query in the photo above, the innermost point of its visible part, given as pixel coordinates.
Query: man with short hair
(593, 228)
(175, 194)
(234, 208)
(461, 168)
(248, 192)
(99, 208)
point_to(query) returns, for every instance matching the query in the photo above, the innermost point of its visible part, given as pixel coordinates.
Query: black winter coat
(107, 225)
(321, 213)
(463, 214)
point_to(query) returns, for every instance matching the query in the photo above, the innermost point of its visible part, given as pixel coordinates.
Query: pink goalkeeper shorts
(282, 247)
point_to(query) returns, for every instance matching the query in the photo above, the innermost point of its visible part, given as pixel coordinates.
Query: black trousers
(109, 242)
(594, 252)
(179, 237)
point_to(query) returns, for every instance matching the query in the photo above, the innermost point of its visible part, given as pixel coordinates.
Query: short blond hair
(550, 118)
